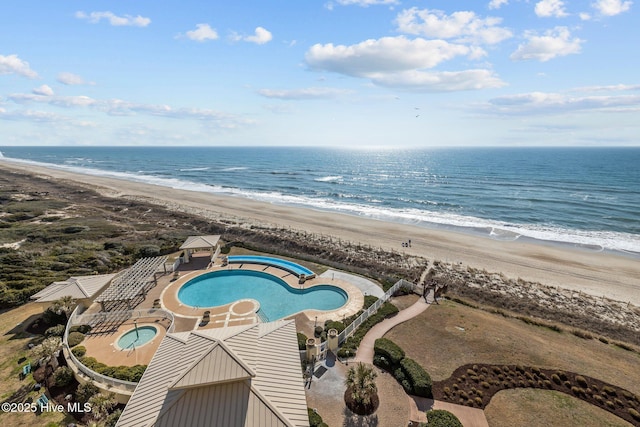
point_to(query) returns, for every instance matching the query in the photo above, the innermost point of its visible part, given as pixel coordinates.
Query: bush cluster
(125, 373)
(302, 341)
(75, 338)
(83, 329)
(315, 420)
(390, 357)
(442, 418)
(79, 351)
(63, 376)
(55, 331)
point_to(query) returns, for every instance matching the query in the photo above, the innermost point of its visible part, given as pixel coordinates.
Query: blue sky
(355, 73)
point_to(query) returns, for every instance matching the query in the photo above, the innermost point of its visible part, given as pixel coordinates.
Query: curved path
(469, 417)
(365, 349)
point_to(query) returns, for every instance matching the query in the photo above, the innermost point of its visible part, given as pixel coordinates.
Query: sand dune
(598, 273)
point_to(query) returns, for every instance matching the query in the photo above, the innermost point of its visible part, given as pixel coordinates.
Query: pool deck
(244, 311)
(102, 346)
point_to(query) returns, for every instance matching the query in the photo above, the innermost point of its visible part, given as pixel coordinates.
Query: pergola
(196, 243)
(132, 283)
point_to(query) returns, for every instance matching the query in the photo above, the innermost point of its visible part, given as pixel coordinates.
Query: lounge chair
(206, 318)
(43, 400)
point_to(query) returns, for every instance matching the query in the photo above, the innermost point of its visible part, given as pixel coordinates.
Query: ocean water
(585, 197)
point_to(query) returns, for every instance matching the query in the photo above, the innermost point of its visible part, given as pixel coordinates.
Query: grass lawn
(540, 408)
(449, 335)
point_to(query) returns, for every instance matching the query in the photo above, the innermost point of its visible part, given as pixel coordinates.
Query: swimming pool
(291, 266)
(277, 299)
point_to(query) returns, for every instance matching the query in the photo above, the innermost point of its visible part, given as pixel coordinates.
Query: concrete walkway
(365, 285)
(365, 350)
(469, 417)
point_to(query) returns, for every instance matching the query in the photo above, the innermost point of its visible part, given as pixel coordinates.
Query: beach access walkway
(469, 417)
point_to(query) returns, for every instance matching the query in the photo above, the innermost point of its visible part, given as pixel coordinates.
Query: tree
(361, 388)
(64, 305)
(101, 404)
(47, 348)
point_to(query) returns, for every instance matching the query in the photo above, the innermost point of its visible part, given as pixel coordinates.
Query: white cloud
(32, 116)
(59, 101)
(497, 4)
(400, 63)
(261, 36)
(306, 93)
(584, 16)
(611, 7)
(71, 79)
(118, 107)
(550, 8)
(366, 3)
(202, 33)
(554, 103)
(464, 26)
(554, 43)
(11, 64)
(445, 81)
(386, 55)
(115, 20)
(607, 88)
(43, 90)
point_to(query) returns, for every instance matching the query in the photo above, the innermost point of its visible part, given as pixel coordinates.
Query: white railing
(96, 318)
(351, 328)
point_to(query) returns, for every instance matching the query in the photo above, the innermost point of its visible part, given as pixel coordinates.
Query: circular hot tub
(136, 337)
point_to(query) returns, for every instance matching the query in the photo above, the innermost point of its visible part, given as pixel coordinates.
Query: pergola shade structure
(196, 243)
(131, 287)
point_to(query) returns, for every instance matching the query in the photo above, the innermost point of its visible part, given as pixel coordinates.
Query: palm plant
(64, 305)
(361, 381)
(102, 404)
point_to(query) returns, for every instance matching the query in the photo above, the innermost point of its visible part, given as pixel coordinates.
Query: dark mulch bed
(359, 408)
(475, 384)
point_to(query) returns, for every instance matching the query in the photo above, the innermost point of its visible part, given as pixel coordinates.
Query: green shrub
(315, 420)
(55, 331)
(148, 251)
(85, 391)
(389, 350)
(634, 414)
(79, 351)
(302, 341)
(112, 418)
(333, 324)
(418, 378)
(63, 376)
(581, 381)
(442, 418)
(75, 338)
(83, 329)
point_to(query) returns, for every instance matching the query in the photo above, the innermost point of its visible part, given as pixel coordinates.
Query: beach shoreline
(598, 273)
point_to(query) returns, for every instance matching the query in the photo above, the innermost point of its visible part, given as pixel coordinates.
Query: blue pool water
(141, 337)
(277, 299)
(282, 263)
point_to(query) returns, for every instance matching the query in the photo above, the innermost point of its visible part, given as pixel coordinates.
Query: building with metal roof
(237, 376)
(83, 289)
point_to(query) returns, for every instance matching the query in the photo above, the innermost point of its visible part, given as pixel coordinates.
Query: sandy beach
(600, 274)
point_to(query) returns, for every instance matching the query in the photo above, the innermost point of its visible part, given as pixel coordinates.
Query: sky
(347, 73)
